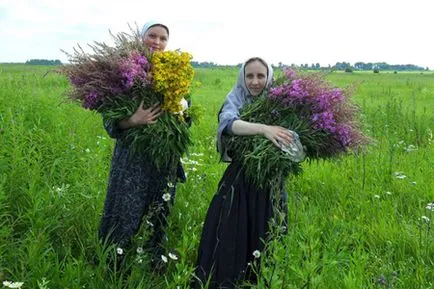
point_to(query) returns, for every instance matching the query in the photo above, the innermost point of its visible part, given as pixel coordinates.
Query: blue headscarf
(235, 100)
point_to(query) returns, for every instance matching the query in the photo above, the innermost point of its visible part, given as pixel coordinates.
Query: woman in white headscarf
(135, 185)
(237, 219)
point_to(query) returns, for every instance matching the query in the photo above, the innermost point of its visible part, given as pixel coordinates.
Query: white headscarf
(235, 100)
(150, 24)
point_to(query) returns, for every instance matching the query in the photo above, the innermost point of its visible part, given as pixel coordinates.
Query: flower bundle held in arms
(115, 80)
(322, 115)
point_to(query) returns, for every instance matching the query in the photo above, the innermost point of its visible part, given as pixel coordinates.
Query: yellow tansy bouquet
(172, 77)
(115, 80)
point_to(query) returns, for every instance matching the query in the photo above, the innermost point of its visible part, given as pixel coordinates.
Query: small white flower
(140, 260)
(430, 206)
(410, 148)
(389, 193)
(10, 284)
(400, 175)
(87, 150)
(164, 258)
(139, 250)
(376, 196)
(167, 197)
(256, 254)
(170, 185)
(425, 218)
(173, 256)
(120, 251)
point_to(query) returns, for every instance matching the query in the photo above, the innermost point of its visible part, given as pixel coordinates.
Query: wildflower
(87, 150)
(10, 284)
(170, 185)
(166, 197)
(139, 250)
(400, 175)
(389, 193)
(173, 256)
(376, 196)
(410, 148)
(256, 254)
(120, 251)
(164, 258)
(173, 75)
(430, 206)
(425, 219)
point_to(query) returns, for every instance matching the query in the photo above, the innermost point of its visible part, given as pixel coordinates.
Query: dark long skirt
(135, 187)
(236, 225)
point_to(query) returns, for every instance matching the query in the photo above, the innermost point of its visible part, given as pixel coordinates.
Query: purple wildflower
(91, 101)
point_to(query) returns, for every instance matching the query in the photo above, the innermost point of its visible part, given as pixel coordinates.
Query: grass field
(361, 221)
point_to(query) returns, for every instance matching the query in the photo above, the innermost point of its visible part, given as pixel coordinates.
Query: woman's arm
(275, 134)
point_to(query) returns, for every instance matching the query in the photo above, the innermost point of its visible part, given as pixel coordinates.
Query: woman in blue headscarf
(238, 218)
(135, 185)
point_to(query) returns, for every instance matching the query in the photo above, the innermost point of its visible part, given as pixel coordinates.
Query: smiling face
(156, 38)
(255, 77)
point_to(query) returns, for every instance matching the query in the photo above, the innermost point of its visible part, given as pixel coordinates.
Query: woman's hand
(142, 116)
(278, 135)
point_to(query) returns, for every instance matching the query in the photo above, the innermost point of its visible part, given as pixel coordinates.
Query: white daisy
(167, 197)
(10, 284)
(173, 256)
(425, 218)
(256, 253)
(164, 258)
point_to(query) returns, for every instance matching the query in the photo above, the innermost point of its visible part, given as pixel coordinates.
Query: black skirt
(135, 187)
(236, 225)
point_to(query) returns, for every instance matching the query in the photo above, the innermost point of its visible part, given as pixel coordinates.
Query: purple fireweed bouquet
(114, 80)
(323, 116)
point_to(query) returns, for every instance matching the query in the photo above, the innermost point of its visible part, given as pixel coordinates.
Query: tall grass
(356, 222)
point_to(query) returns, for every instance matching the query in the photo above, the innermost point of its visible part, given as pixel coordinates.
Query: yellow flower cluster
(172, 76)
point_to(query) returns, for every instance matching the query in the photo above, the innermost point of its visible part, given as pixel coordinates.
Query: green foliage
(354, 222)
(169, 135)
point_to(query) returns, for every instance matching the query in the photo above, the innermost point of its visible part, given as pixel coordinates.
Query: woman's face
(156, 38)
(255, 77)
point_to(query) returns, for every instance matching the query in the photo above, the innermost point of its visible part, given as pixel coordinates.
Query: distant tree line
(44, 62)
(377, 66)
(344, 66)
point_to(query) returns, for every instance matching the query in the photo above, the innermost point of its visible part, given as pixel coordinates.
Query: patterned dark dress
(134, 187)
(236, 225)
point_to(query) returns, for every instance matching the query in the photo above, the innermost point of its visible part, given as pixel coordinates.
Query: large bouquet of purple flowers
(115, 80)
(322, 115)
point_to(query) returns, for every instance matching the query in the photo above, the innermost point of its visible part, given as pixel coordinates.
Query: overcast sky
(230, 31)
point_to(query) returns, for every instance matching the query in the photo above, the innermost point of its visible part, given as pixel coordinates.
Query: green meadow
(360, 221)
